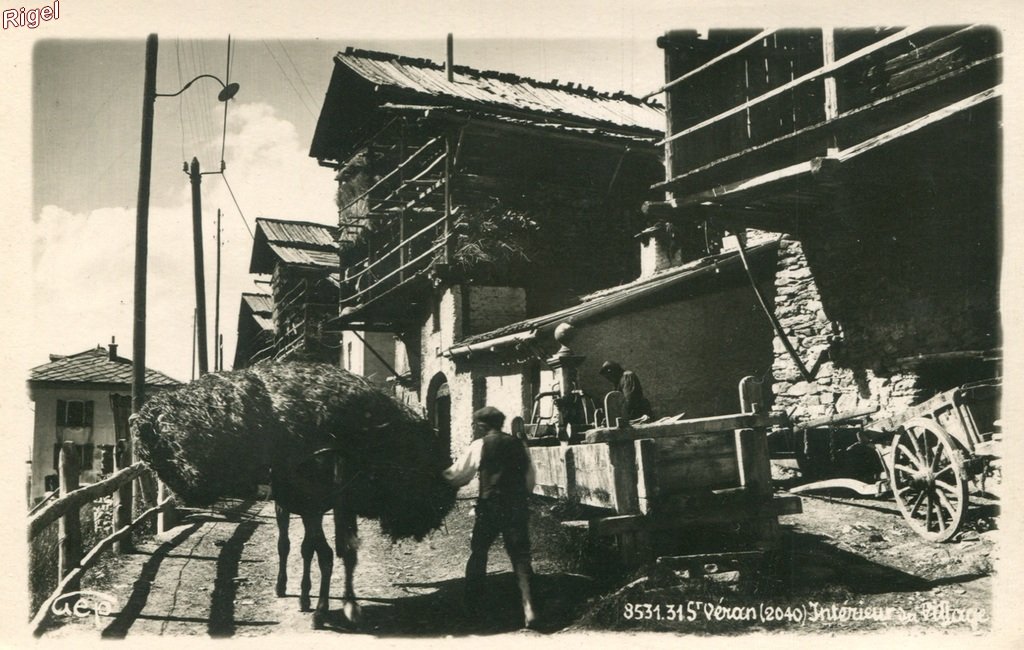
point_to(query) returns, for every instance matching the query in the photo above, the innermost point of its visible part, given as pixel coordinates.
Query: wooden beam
(617, 524)
(718, 59)
(920, 123)
(686, 427)
(81, 496)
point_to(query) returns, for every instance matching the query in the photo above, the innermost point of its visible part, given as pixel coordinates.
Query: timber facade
(875, 153)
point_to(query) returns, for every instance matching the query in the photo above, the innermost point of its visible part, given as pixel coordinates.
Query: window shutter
(62, 412)
(87, 450)
(87, 417)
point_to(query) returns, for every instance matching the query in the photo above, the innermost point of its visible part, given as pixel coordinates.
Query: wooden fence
(72, 561)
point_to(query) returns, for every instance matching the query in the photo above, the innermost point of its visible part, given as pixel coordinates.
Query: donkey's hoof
(304, 604)
(352, 611)
(318, 619)
(280, 590)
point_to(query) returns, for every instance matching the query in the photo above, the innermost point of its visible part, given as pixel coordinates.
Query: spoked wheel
(928, 479)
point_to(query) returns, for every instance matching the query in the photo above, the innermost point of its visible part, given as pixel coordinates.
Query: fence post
(166, 518)
(70, 525)
(122, 503)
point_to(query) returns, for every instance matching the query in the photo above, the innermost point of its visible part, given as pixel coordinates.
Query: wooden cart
(935, 449)
(669, 477)
(930, 454)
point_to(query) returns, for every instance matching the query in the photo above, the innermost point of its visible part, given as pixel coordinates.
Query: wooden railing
(793, 94)
(72, 562)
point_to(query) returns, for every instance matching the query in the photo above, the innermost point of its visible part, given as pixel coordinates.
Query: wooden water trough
(670, 478)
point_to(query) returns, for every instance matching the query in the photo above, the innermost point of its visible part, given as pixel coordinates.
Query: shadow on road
(132, 610)
(440, 612)
(136, 602)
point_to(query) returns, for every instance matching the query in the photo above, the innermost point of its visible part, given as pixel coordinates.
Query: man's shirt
(466, 467)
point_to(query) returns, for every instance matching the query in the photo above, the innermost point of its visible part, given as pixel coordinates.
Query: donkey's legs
(316, 542)
(283, 546)
(347, 544)
(308, 548)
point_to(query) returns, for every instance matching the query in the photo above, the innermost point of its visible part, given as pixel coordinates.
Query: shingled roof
(302, 243)
(94, 366)
(363, 79)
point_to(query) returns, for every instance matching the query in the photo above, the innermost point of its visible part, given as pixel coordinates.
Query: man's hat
(611, 368)
(489, 416)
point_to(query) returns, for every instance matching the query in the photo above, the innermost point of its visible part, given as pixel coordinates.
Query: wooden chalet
(469, 200)
(301, 259)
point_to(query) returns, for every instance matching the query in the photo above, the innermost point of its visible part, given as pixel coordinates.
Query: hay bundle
(321, 431)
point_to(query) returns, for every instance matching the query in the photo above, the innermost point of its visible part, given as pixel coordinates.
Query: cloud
(83, 263)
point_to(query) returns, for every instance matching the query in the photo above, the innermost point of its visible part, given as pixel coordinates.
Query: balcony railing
(781, 97)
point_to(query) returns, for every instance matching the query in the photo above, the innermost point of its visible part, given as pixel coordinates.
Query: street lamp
(149, 96)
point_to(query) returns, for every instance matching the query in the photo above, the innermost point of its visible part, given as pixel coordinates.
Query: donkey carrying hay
(331, 440)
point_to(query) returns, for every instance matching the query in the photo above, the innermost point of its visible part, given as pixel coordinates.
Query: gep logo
(96, 603)
(30, 17)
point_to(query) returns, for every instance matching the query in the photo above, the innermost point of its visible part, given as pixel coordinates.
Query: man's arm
(464, 469)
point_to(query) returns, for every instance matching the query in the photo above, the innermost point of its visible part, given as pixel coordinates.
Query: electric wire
(288, 79)
(238, 207)
(298, 73)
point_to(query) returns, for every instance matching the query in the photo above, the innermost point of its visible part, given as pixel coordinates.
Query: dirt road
(847, 561)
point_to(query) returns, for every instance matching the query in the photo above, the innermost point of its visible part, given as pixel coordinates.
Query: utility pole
(142, 229)
(195, 177)
(218, 363)
(193, 344)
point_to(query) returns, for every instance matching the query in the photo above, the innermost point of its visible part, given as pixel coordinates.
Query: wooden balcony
(746, 109)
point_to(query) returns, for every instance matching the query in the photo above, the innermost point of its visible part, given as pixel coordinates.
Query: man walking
(506, 480)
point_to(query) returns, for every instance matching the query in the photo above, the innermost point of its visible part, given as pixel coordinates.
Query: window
(85, 453)
(74, 413)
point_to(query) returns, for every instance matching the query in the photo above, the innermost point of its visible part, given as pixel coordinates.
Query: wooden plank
(752, 448)
(696, 474)
(549, 465)
(815, 74)
(700, 445)
(646, 486)
(624, 476)
(616, 524)
(685, 427)
(594, 475)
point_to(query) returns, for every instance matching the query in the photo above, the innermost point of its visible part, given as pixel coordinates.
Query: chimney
(659, 250)
(449, 60)
(112, 355)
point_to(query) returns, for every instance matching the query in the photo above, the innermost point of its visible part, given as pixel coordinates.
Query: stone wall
(833, 389)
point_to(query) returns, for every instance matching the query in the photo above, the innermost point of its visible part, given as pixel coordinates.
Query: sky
(86, 115)
(71, 107)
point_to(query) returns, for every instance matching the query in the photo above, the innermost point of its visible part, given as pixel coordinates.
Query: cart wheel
(927, 475)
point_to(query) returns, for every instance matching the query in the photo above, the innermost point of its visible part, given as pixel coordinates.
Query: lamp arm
(186, 86)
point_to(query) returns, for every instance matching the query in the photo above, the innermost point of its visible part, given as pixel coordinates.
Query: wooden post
(752, 449)
(122, 500)
(828, 56)
(167, 517)
(70, 525)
